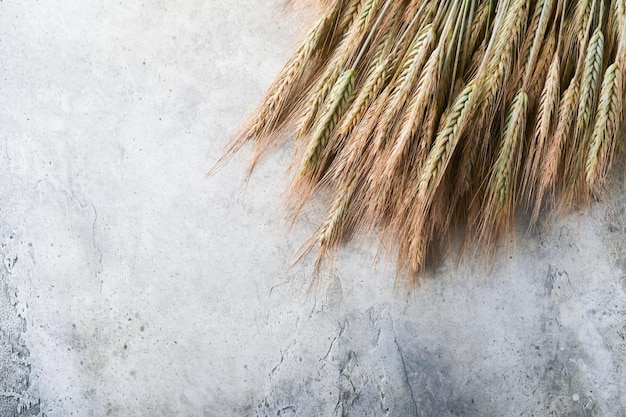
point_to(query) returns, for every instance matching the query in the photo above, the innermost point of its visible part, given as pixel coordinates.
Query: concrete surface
(132, 286)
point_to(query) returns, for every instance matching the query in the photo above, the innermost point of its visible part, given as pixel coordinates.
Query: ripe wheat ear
(424, 118)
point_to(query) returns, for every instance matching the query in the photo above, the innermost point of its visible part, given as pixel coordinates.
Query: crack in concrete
(346, 396)
(342, 328)
(283, 352)
(406, 375)
(85, 204)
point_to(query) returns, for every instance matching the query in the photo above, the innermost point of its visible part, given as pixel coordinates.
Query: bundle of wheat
(429, 117)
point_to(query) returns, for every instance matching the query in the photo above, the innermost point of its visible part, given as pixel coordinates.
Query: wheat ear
(332, 229)
(334, 68)
(377, 76)
(590, 82)
(567, 114)
(606, 129)
(507, 164)
(548, 108)
(349, 14)
(498, 61)
(589, 86)
(265, 119)
(411, 123)
(337, 102)
(409, 72)
(446, 142)
(535, 35)
(582, 16)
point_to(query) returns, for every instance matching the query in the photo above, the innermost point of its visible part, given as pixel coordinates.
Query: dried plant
(425, 118)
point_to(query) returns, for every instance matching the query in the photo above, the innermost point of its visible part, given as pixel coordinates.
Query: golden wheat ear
(423, 120)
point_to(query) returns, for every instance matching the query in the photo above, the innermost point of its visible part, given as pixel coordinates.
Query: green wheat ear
(423, 118)
(334, 109)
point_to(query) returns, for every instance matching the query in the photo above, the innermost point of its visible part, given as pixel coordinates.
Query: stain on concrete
(15, 368)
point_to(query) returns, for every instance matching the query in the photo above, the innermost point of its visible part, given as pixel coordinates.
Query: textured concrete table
(132, 286)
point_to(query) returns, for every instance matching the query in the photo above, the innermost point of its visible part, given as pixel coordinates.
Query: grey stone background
(132, 286)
